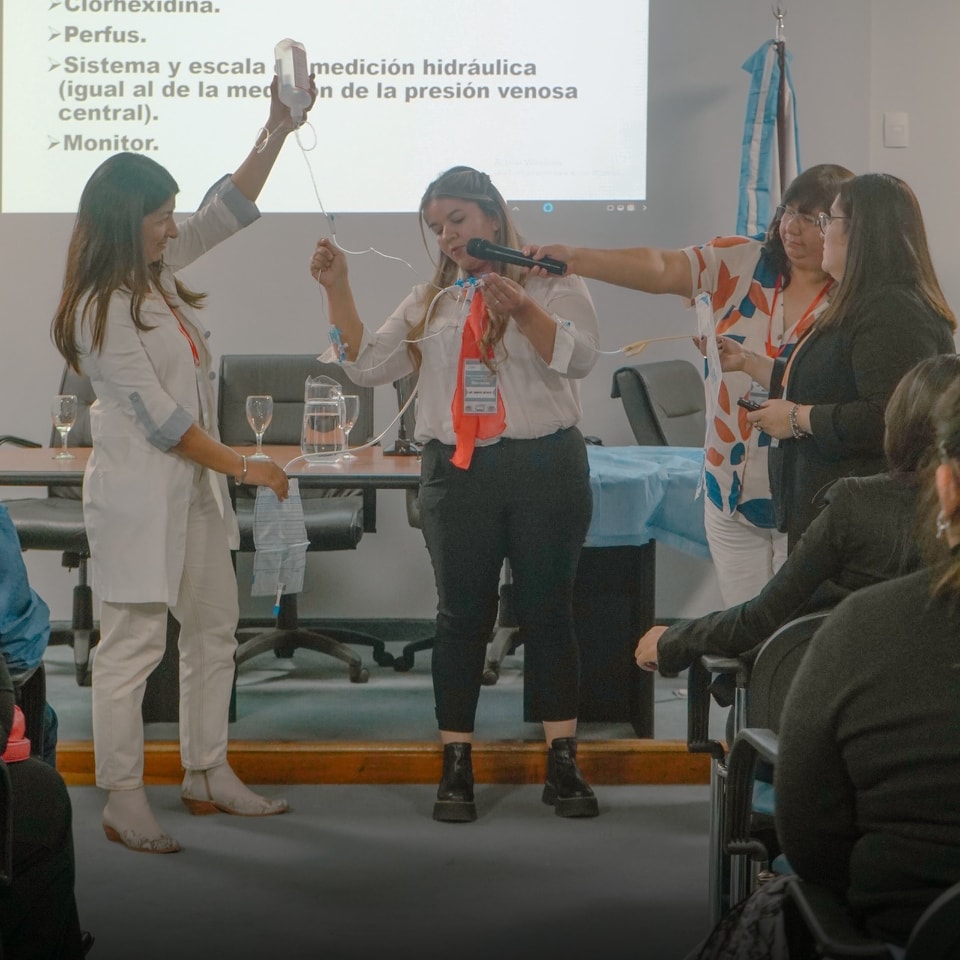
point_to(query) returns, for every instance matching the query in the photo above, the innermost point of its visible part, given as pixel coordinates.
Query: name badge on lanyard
(479, 388)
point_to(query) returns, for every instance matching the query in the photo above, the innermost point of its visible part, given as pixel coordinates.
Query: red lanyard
(183, 330)
(801, 326)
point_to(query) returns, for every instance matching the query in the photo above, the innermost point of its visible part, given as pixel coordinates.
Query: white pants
(744, 556)
(132, 643)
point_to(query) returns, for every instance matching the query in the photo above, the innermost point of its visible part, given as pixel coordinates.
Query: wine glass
(63, 409)
(259, 415)
(351, 410)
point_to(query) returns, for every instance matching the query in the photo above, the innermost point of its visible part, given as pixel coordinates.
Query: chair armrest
(829, 924)
(18, 441)
(699, 678)
(714, 663)
(751, 744)
(698, 712)
(765, 743)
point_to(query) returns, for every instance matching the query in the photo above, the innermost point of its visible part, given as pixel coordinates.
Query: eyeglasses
(825, 219)
(788, 213)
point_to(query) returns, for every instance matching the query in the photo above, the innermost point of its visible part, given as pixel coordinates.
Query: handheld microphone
(485, 250)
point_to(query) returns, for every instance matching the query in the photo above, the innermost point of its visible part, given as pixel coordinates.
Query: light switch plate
(896, 129)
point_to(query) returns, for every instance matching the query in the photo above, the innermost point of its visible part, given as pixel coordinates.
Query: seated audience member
(24, 623)
(865, 535)
(868, 774)
(38, 910)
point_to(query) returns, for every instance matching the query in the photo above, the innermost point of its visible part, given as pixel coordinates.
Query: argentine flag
(771, 152)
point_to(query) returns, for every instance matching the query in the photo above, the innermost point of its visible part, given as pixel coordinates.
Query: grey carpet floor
(364, 872)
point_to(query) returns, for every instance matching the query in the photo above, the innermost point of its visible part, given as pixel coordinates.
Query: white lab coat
(136, 489)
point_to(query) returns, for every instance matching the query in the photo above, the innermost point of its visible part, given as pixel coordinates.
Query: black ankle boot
(565, 789)
(455, 793)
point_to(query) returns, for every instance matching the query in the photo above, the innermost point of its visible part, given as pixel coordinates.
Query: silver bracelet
(798, 434)
(243, 470)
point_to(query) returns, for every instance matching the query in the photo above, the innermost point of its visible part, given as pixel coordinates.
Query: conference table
(642, 495)
(372, 468)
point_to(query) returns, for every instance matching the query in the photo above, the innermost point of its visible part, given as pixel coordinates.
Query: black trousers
(529, 501)
(38, 911)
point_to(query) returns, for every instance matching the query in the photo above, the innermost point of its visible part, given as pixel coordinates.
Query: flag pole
(779, 39)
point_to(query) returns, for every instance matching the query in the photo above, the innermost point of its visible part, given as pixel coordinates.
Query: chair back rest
(776, 664)
(80, 436)
(937, 933)
(664, 402)
(281, 376)
(404, 387)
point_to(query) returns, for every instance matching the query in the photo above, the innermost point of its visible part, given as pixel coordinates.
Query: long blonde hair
(466, 183)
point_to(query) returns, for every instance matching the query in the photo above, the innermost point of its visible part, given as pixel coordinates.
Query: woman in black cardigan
(866, 534)
(868, 773)
(887, 314)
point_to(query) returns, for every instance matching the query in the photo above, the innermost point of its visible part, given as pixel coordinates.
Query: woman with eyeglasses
(764, 294)
(887, 313)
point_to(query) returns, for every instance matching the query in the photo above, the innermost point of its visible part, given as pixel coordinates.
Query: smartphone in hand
(749, 404)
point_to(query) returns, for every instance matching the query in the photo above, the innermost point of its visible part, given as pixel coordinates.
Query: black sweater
(847, 371)
(865, 535)
(868, 776)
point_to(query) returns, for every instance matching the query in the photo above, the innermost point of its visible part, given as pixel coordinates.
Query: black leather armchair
(55, 522)
(831, 932)
(761, 687)
(664, 402)
(334, 521)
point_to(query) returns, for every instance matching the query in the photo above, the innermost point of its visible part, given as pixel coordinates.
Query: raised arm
(638, 268)
(328, 266)
(252, 174)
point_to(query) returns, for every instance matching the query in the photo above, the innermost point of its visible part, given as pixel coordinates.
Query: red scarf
(470, 426)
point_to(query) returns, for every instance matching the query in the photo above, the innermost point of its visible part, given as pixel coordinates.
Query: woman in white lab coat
(155, 498)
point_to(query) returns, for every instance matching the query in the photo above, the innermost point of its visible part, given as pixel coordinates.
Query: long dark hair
(466, 183)
(909, 439)
(946, 417)
(106, 251)
(886, 243)
(809, 192)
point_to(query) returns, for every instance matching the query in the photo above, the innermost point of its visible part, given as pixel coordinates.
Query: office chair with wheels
(55, 522)
(832, 932)
(664, 402)
(333, 522)
(761, 689)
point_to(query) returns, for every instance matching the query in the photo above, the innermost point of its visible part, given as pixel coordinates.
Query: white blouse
(538, 398)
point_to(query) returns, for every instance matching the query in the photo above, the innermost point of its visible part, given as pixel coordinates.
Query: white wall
(852, 60)
(914, 69)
